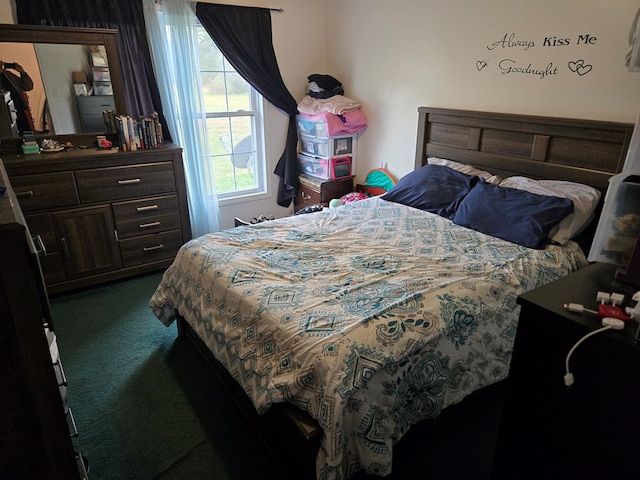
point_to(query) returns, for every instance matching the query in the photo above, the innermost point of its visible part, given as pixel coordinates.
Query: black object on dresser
(90, 108)
(590, 430)
(36, 424)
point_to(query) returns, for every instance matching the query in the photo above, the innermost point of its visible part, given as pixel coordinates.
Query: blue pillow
(514, 215)
(432, 188)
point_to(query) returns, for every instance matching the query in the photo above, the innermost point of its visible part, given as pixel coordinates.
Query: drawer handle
(146, 208)
(149, 225)
(65, 248)
(63, 376)
(305, 196)
(151, 249)
(41, 249)
(74, 428)
(28, 193)
(129, 181)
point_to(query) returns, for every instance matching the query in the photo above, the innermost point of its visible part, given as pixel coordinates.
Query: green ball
(335, 203)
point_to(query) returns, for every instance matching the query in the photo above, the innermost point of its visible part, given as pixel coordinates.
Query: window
(234, 124)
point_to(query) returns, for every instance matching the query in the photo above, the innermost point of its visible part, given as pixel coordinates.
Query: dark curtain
(141, 89)
(243, 35)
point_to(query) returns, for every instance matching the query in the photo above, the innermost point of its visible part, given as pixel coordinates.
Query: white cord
(608, 323)
(576, 307)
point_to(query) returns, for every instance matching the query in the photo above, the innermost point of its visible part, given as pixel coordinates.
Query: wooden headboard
(583, 151)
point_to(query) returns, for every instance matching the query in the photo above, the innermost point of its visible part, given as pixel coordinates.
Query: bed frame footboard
(291, 435)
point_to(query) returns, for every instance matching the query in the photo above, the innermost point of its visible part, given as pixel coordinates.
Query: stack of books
(30, 147)
(29, 143)
(134, 134)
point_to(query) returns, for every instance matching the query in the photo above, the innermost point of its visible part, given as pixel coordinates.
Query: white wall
(56, 63)
(7, 11)
(394, 56)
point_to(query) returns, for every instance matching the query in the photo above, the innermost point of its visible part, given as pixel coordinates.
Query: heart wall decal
(579, 67)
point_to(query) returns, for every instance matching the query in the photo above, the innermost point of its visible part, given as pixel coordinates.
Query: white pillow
(585, 200)
(466, 169)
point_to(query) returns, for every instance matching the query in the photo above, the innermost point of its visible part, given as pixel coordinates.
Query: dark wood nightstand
(315, 191)
(592, 429)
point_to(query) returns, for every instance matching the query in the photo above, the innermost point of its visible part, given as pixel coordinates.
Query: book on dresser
(146, 132)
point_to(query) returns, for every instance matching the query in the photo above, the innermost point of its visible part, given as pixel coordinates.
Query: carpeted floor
(140, 399)
(147, 408)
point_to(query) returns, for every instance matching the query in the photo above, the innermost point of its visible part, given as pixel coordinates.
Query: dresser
(315, 191)
(590, 430)
(102, 215)
(36, 420)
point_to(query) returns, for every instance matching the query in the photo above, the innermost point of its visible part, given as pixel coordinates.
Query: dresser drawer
(148, 207)
(105, 184)
(52, 268)
(150, 248)
(41, 230)
(44, 238)
(95, 104)
(312, 191)
(155, 224)
(307, 196)
(45, 191)
(151, 215)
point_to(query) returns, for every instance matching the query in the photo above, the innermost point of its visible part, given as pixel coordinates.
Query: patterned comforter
(371, 317)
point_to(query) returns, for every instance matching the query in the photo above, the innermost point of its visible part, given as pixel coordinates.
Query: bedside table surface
(581, 287)
(591, 430)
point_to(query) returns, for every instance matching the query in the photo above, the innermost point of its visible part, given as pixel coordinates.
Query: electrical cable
(608, 324)
(576, 307)
(604, 311)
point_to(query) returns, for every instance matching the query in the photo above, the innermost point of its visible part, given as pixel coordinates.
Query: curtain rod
(193, 3)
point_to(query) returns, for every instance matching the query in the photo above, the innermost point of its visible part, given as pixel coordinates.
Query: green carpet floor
(147, 408)
(144, 404)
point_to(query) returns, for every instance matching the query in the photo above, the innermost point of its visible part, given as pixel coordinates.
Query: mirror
(50, 55)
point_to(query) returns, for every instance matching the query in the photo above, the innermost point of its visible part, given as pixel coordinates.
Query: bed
(339, 330)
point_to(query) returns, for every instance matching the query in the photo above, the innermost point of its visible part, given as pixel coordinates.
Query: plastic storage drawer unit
(325, 168)
(315, 127)
(617, 233)
(326, 147)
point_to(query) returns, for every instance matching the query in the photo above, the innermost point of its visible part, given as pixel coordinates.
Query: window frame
(258, 135)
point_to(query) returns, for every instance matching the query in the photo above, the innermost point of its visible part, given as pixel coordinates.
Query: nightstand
(590, 430)
(315, 191)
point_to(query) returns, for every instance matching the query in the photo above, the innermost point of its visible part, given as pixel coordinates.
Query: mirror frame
(78, 36)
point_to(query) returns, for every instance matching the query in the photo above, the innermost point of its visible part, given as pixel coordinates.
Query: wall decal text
(512, 66)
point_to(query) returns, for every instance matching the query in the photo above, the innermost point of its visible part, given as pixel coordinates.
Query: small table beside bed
(343, 328)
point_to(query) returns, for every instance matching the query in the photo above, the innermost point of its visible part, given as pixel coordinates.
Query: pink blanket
(347, 123)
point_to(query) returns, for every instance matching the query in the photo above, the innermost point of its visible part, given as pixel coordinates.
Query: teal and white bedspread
(371, 317)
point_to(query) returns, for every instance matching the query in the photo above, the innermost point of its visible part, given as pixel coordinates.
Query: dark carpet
(146, 406)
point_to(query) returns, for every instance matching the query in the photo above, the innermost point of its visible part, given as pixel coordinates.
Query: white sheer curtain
(171, 32)
(632, 61)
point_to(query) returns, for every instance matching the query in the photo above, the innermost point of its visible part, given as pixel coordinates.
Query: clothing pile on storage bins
(325, 99)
